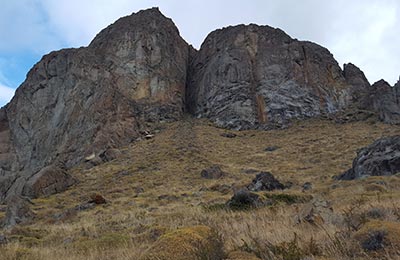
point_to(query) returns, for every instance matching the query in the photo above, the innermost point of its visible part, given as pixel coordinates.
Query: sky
(364, 32)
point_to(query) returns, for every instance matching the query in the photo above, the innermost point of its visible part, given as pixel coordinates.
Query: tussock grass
(155, 188)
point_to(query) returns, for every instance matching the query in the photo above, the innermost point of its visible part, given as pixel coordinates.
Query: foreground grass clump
(156, 198)
(380, 236)
(191, 243)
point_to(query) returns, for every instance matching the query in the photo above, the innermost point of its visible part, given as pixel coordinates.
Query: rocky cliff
(83, 102)
(385, 101)
(257, 76)
(77, 102)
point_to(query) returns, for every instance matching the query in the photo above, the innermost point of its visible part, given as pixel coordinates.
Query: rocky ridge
(79, 103)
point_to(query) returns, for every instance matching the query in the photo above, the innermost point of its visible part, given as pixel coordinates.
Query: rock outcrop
(76, 102)
(256, 76)
(386, 101)
(360, 90)
(265, 181)
(381, 158)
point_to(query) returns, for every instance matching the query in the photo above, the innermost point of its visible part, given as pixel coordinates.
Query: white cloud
(6, 93)
(364, 32)
(24, 27)
(79, 21)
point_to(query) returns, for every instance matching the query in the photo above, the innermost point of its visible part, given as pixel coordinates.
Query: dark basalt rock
(381, 158)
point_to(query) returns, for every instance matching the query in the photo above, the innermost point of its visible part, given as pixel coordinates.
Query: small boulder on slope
(381, 158)
(265, 181)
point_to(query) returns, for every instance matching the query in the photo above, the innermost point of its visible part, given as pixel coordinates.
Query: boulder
(49, 180)
(250, 76)
(265, 181)
(307, 186)
(381, 158)
(110, 154)
(97, 199)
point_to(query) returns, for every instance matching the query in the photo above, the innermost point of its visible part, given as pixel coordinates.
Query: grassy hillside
(155, 189)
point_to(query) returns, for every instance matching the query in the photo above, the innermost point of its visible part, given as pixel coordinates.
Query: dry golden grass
(155, 188)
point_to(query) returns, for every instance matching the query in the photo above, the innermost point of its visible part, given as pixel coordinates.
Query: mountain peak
(381, 84)
(133, 26)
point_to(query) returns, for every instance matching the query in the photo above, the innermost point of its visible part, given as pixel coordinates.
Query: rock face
(360, 90)
(386, 101)
(378, 159)
(76, 102)
(257, 76)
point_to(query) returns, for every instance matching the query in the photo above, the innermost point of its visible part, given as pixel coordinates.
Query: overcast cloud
(364, 32)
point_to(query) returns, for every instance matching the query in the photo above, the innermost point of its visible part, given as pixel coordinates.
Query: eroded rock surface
(257, 76)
